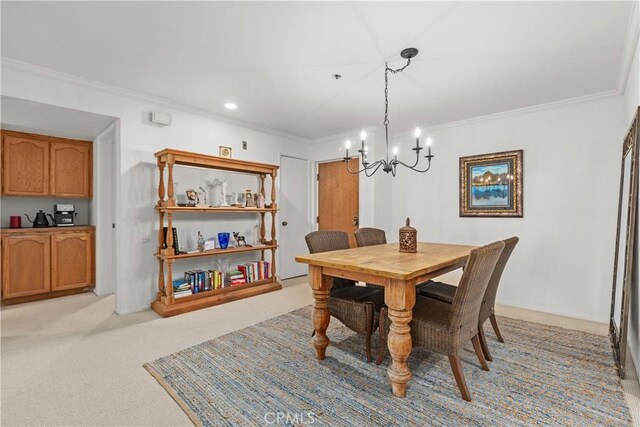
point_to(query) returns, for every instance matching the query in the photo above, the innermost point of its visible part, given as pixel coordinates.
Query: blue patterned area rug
(267, 374)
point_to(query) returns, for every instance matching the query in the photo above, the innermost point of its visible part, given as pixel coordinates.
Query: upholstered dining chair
(368, 236)
(446, 328)
(357, 307)
(445, 292)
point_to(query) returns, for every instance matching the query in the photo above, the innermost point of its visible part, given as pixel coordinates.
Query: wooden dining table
(386, 266)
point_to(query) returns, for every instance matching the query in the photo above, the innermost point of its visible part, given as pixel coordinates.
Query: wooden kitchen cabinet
(25, 165)
(46, 166)
(25, 265)
(71, 260)
(39, 263)
(71, 169)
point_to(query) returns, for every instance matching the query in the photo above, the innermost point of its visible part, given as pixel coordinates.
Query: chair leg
(476, 346)
(368, 331)
(483, 344)
(382, 327)
(494, 323)
(456, 367)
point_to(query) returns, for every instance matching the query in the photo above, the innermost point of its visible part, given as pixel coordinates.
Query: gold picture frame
(491, 185)
(225, 152)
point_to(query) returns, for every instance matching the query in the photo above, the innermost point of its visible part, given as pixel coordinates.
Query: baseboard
(550, 319)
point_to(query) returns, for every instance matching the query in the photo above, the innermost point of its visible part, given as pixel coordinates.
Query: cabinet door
(71, 169)
(25, 164)
(71, 260)
(25, 265)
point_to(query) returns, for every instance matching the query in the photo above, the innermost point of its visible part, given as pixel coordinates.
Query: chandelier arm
(415, 164)
(423, 171)
(365, 168)
(374, 171)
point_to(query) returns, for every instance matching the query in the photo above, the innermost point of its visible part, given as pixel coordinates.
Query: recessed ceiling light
(230, 106)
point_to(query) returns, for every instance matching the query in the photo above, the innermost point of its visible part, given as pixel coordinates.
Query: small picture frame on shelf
(225, 152)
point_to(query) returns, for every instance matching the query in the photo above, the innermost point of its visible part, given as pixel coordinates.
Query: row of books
(196, 281)
(257, 270)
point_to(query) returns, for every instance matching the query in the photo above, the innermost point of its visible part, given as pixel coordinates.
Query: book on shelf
(254, 271)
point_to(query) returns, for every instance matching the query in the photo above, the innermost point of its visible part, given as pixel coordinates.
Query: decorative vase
(223, 240)
(408, 238)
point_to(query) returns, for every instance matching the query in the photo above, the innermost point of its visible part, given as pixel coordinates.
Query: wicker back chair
(357, 307)
(445, 292)
(446, 328)
(326, 241)
(369, 236)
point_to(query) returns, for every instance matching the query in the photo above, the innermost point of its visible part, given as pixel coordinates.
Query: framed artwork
(623, 268)
(491, 184)
(225, 152)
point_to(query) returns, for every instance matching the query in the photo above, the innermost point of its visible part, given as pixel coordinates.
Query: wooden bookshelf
(166, 304)
(218, 252)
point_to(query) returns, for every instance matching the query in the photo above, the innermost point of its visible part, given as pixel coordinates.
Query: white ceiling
(29, 116)
(276, 59)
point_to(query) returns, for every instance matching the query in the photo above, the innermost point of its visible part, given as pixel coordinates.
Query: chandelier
(389, 165)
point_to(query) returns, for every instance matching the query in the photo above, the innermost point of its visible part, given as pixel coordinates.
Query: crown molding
(24, 67)
(518, 111)
(630, 44)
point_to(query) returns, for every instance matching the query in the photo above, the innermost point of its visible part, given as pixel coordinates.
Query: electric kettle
(41, 220)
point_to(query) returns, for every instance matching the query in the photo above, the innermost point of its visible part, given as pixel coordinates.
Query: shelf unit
(165, 303)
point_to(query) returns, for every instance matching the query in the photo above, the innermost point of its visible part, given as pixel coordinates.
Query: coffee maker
(64, 214)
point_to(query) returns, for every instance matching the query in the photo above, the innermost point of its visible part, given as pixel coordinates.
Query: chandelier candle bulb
(417, 133)
(429, 145)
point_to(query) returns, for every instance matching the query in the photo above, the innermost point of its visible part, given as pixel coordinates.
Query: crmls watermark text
(289, 418)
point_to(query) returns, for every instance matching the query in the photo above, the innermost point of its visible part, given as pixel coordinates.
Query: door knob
(284, 223)
(356, 221)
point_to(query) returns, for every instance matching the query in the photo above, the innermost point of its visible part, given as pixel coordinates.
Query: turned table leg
(321, 286)
(400, 298)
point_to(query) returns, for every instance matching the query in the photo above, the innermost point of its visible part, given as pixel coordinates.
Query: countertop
(31, 230)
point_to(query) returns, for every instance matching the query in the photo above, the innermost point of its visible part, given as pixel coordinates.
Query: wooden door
(25, 269)
(338, 195)
(71, 169)
(71, 260)
(25, 164)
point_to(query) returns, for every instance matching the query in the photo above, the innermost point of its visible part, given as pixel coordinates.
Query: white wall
(138, 177)
(564, 261)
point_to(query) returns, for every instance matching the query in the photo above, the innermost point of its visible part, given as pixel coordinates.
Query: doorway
(338, 197)
(294, 214)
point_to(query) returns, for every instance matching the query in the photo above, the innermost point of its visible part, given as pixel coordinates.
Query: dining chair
(357, 307)
(368, 236)
(446, 328)
(445, 292)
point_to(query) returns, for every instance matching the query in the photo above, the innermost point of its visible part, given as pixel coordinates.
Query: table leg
(321, 286)
(400, 298)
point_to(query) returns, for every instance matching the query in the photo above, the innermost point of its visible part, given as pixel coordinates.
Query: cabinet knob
(284, 223)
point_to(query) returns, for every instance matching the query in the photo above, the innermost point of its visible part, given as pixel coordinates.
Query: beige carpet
(72, 361)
